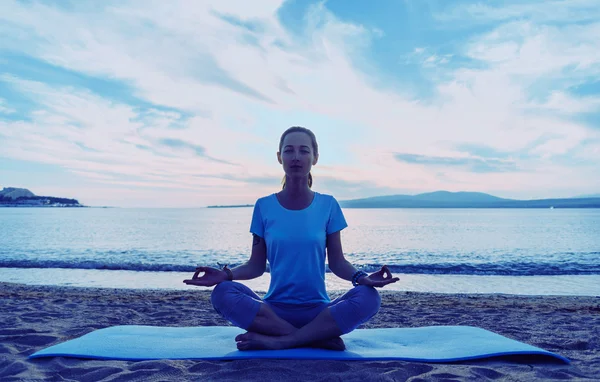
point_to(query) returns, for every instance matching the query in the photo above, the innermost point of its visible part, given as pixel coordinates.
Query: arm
(335, 256)
(343, 269)
(252, 268)
(257, 263)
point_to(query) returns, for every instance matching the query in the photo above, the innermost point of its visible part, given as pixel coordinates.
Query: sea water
(520, 251)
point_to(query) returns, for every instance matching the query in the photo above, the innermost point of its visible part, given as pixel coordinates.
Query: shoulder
(264, 199)
(326, 200)
(265, 203)
(326, 197)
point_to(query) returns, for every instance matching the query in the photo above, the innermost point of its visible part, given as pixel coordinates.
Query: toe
(339, 344)
(241, 337)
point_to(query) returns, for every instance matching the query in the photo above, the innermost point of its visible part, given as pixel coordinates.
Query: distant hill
(462, 196)
(22, 197)
(446, 199)
(232, 206)
(15, 193)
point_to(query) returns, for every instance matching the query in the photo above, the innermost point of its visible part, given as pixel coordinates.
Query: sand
(35, 317)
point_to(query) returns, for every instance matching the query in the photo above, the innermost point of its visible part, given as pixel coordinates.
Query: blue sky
(173, 104)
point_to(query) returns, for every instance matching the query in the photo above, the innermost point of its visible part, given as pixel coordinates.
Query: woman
(292, 230)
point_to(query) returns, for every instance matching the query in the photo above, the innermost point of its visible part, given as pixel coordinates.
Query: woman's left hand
(378, 279)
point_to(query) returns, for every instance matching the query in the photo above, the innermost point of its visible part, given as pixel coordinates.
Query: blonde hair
(315, 146)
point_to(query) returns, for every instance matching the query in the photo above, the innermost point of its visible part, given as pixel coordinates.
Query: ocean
(515, 251)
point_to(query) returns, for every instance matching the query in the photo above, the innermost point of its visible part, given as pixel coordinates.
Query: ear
(279, 157)
(316, 159)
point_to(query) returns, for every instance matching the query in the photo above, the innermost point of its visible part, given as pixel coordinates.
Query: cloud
(486, 151)
(564, 103)
(213, 86)
(354, 189)
(5, 109)
(260, 180)
(178, 144)
(427, 59)
(85, 132)
(474, 164)
(517, 45)
(543, 11)
(252, 25)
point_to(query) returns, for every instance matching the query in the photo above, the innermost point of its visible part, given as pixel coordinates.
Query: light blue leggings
(239, 304)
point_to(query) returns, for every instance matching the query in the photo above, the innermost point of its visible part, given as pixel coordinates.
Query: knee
(370, 300)
(361, 304)
(219, 293)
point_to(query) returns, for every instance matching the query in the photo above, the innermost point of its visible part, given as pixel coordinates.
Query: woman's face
(297, 155)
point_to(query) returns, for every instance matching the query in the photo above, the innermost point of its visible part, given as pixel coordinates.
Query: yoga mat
(426, 344)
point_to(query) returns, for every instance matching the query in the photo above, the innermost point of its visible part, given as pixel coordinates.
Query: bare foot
(330, 344)
(256, 341)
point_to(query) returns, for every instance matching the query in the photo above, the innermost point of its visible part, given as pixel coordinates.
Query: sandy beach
(35, 317)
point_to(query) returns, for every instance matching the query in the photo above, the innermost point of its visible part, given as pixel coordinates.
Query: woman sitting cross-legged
(293, 230)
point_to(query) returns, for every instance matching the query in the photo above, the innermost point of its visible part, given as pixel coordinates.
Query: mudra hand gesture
(211, 277)
(378, 279)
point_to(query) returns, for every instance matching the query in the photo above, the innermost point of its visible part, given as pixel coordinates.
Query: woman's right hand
(211, 277)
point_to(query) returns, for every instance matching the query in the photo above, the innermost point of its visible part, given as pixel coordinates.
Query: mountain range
(22, 197)
(446, 199)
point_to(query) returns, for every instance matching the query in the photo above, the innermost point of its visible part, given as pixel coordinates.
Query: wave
(500, 268)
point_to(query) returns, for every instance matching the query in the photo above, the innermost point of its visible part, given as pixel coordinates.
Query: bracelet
(229, 273)
(356, 276)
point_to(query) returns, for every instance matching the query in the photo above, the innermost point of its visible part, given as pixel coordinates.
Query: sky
(182, 103)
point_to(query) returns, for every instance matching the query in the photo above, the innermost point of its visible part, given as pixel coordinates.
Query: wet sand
(35, 317)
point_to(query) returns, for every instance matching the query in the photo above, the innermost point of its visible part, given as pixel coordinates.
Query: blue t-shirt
(296, 241)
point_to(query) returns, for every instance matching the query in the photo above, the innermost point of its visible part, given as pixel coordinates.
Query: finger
(195, 276)
(198, 271)
(389, 281)
(388, 274)
(195, 282)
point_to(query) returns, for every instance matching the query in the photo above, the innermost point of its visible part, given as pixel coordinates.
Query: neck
(296, 186)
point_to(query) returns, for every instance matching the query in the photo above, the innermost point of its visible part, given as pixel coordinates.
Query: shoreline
(35, 317)
(565, 285)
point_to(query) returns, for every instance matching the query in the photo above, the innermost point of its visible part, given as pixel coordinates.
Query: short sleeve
(336, 221)
(257, 226)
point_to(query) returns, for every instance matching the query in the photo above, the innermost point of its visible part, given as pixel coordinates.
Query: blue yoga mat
(426, 344)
